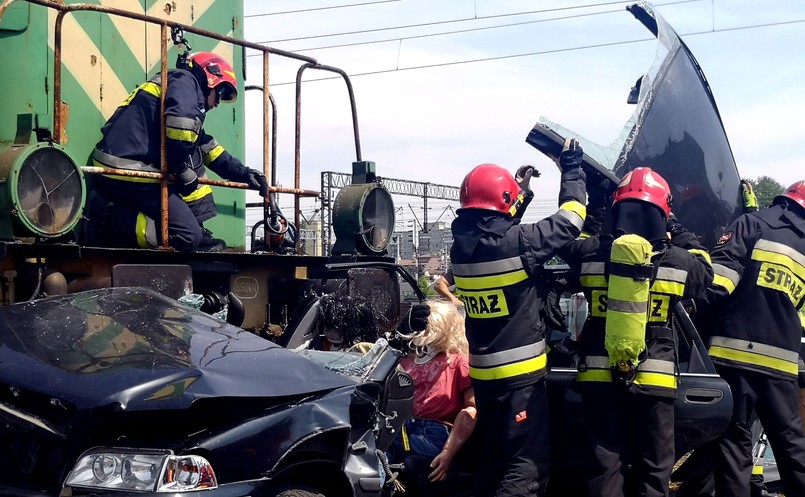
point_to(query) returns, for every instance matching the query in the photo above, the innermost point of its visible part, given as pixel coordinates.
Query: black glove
(257, 181)
(188, 181)
(523, 177)
(599, 193)
(674, 227)
(415, 320)
(571, 155)
(553, 315)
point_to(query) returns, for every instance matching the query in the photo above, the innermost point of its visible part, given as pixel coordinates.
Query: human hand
(571, 156)
(523, 176)
(257, 181)
(188, 181)
(440, 464)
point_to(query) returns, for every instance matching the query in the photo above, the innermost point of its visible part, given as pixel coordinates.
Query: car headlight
(143, 470)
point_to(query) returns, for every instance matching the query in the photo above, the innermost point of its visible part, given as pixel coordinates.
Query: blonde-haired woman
(444, 401)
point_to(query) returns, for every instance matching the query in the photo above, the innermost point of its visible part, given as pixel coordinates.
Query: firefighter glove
(415, 320)
(188, 181)
(749, 197)
(599, 191)
(673, 226)
(257, 181)
(571, 155)
(523, 177)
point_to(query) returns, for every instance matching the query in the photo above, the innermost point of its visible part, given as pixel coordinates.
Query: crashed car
(124, 391)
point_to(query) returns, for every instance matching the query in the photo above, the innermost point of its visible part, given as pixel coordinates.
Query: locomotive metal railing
(268, 144)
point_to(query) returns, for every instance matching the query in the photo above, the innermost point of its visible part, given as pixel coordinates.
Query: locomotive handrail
(58, 125)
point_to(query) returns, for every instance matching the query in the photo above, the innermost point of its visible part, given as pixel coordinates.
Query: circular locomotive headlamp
(363, 219)
(44, 189)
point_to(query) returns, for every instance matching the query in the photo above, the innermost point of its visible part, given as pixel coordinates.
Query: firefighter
(632, 280)
(756, 305)
(497, 266)
(131, 141)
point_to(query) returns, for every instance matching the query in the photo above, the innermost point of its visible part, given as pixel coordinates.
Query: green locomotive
(68, 67)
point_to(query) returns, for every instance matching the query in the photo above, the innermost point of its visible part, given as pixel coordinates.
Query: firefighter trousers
(775, 401)
(628, 429)
(514, 431)
(184, 230)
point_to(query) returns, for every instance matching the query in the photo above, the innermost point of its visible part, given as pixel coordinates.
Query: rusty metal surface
(59, 120)
(203, 181)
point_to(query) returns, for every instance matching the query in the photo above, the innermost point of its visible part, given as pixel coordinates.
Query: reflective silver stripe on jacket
(507, 356)
(487, 268)
(755, 348)
(592, 268)
(726, 272)
(657, 366)
(208, 147)
(121, 163)
(672, 274)
(184, 123)
(573, 217)
(597, 362)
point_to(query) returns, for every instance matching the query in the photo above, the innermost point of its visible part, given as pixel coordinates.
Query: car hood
(134, 349)
(675, 129)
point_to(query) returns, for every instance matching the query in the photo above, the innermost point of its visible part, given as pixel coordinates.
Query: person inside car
(444, 400)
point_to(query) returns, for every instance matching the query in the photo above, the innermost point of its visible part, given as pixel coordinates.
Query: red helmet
(644, 184)
(488, 186)
(217, 72)
(795, 192)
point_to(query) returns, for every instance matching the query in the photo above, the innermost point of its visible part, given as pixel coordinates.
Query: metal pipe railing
(268, 152)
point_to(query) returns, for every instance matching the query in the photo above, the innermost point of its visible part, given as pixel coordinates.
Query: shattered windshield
(353, 363)
(675, 129)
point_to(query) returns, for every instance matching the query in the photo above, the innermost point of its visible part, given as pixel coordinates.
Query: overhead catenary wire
(476, 18)
(545, 52)
(318, 9)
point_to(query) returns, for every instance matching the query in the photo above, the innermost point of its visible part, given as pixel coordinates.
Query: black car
(124, 391)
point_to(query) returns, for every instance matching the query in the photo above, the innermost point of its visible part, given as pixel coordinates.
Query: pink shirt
(439, 386)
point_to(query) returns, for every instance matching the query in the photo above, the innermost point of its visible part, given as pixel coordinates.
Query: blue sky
(448, 89)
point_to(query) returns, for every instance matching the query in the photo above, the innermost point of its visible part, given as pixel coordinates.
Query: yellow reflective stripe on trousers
(510, 370)
(200, 192)
(595, 375)
(140, 230)
(655, 380)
